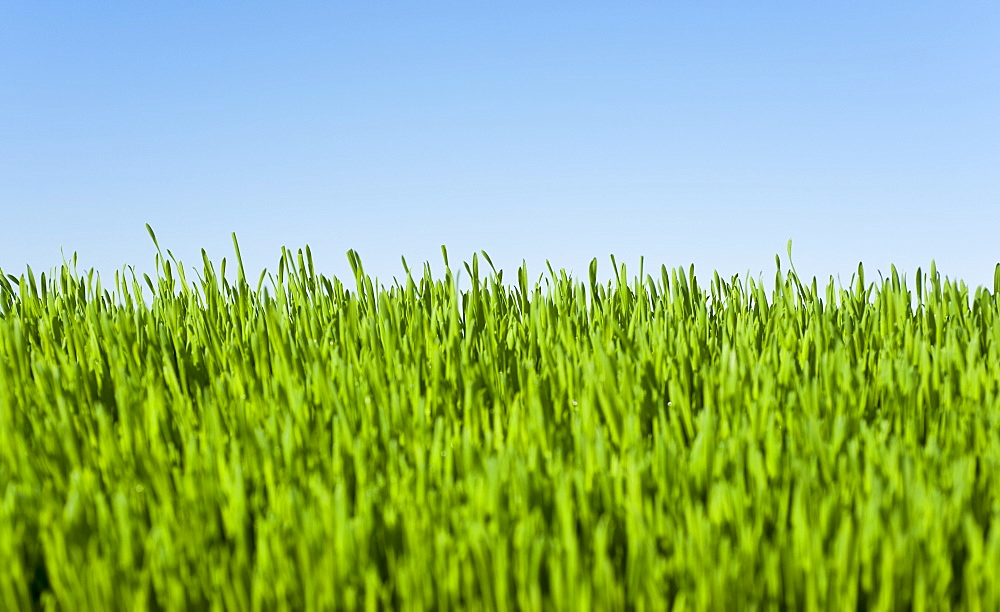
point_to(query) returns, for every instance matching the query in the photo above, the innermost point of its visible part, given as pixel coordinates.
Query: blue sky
(704, 132)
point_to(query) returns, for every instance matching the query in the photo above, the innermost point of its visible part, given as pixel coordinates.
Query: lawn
(658, 441)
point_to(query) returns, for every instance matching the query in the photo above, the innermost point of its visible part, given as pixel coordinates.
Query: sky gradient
(706, 133)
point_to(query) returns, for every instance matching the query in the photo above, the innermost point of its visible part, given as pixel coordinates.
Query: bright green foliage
(649, 443)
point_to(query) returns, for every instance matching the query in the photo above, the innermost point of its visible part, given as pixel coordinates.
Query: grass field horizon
(204, 438)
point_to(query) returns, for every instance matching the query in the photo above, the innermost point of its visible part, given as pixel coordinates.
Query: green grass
(298, 442)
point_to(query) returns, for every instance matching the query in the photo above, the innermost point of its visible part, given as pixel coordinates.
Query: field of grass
(650, 443)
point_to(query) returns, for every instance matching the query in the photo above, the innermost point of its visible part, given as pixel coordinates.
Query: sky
(706, 133)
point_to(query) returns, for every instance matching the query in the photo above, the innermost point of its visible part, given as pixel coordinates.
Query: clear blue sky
(703, 132)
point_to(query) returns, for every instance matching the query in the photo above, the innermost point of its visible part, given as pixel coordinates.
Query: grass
(649, 443)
